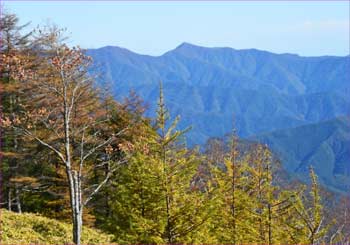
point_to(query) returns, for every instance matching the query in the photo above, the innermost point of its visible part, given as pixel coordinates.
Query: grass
(28, 228)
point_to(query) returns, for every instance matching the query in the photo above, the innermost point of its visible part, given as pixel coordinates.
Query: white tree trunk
(78, 228)
(9, 200)
(18, 200)
(78, 209)
(76, 204)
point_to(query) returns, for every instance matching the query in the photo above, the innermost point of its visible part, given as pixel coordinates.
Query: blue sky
(306, 28)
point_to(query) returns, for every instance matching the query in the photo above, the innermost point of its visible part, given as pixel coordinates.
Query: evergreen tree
(230, 219)
(309, 226)
(14, 54)
(63, 142)
(182, 200)
(154, 195)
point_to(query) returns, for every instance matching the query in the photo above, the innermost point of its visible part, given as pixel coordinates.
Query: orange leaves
(70, 59)
(38, 113)
(145, 149)
(109, 149)
(9, 154)
(16, 66)
(126, 147)
(9, 87)
(26, 119)
(42, 111)
(17, 121)
(6, 122)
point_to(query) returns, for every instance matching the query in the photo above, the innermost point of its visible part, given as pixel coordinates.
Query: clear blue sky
(306, 28)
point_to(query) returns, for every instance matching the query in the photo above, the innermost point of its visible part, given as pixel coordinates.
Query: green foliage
(309, 211)
(29, 228)
(135, 214)
(154, 198)
(156, 190)
(182, 201)
(231, 202)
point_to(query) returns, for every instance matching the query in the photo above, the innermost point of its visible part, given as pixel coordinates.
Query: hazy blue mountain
(324, 145)
(208, 86)
(262, 91)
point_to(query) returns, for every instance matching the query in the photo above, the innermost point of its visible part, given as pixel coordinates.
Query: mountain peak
(193, 48)
(186, 45)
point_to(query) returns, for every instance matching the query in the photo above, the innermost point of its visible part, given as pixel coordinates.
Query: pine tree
(230, 218)
(309, 225)
(135, 200)
(14, 55)
(268, 205)
(154, 197)
(182, 200)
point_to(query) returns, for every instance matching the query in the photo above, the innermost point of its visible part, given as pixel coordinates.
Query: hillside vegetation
(72, 152)
(263, 91)
(30, 228)
(325, 145)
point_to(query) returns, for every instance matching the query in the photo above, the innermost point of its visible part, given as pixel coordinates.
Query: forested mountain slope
(207, 86)
(262, 91)
(75, 157)
(325, 145)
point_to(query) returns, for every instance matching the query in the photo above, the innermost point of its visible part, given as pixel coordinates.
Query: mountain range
(324, 145)
(297, 105)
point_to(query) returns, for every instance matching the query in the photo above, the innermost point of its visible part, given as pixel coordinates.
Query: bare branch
(73, 99)
(90, 125)
(82, 142)
(109, 140)
(109, 174)
(59, 154)
(49, 127)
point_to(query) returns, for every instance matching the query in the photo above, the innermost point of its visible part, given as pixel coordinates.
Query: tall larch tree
(310, 224)
(230, 218)
(182, 200)
(14, 55)
(267, 203)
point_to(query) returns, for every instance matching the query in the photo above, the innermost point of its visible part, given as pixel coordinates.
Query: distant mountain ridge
(208, 87)
(230, 67)
(217, 83)
(324, 145)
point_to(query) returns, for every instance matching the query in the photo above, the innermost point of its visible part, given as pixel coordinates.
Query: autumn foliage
(72, 153)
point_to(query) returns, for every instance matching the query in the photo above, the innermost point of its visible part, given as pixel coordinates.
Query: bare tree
(64, 113)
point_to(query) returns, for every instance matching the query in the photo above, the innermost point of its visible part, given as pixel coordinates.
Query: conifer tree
(309, 225)
(231, 217)
(154, 197)
(134, 194)
(269, 205)
(182, 200)
(13, 54)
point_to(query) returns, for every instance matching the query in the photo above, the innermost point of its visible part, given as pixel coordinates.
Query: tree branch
(59, 154)
(97, 189)
(109, 140)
